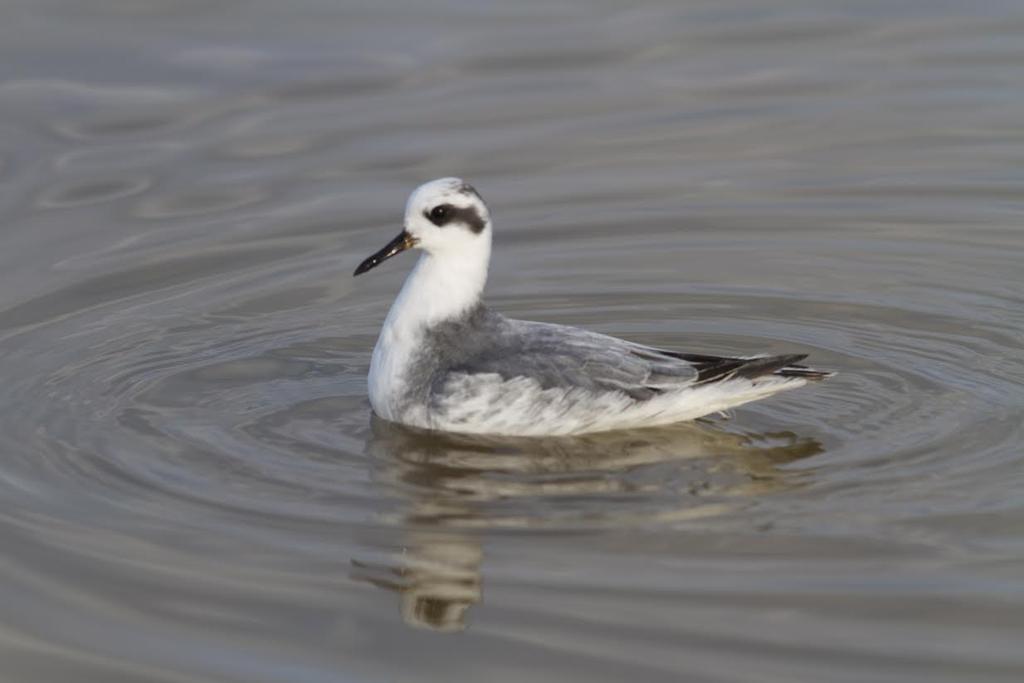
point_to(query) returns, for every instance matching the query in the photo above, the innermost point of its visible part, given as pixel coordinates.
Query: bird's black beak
(396, 246)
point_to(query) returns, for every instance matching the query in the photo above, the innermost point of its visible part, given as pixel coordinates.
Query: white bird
(444, 361)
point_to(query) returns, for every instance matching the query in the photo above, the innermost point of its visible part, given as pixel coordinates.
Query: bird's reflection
(452, 488)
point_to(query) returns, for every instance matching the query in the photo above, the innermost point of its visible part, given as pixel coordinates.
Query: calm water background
(192, 488)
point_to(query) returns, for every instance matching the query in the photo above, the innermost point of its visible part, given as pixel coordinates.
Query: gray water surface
(191, 484)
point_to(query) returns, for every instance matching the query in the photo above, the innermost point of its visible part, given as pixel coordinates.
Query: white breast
(437, 289)
(391, 359)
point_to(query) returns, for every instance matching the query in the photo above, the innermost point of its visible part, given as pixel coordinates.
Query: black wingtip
(712, 369)
(809, 374)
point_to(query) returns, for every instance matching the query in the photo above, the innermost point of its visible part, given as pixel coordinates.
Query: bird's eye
(439, 213)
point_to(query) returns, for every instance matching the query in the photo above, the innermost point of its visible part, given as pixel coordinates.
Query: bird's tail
(711, 369)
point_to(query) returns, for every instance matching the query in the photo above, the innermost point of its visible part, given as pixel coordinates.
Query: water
(192, 486)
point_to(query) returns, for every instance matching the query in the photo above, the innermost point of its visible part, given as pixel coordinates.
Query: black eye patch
(439, 214)
(446, 214)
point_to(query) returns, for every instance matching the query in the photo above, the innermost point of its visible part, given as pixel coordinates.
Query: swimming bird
(445, 361)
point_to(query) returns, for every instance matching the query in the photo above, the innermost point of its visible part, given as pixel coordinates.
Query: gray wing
(568, 357)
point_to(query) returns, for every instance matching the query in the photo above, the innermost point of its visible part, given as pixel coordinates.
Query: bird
(444, 361)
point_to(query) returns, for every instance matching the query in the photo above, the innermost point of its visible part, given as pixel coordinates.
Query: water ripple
(191, 476)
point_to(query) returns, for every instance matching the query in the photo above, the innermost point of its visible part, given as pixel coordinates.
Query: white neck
(440, 287)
